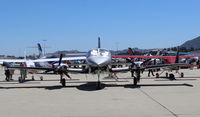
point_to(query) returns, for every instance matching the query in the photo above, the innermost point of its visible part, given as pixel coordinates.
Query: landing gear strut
(23, 74)
(137, 78)
(62, 80)
(98, 82)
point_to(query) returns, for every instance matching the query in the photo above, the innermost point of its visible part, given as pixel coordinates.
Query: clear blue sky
(76, 24)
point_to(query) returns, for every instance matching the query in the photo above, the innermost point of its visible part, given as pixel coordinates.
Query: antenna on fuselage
(99, 42)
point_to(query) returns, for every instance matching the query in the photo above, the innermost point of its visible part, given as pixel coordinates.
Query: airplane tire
(7, 79)
(33, 78)
(167, 75)
(182, 74)
(135, 81)
(63, 82)
(157, 75)
(171, 76)
(20, 79)
(41, 78)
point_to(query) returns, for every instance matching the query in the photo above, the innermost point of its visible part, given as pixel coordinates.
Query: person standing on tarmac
(7, 73)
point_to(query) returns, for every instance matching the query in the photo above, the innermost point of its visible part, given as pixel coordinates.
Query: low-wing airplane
(41, 60)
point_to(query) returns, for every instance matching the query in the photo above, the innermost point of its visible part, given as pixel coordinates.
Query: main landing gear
(62, 80)
(171, 76)
(136, 78)
(23, 75)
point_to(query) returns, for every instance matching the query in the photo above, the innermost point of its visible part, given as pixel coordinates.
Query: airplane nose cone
(98, 62)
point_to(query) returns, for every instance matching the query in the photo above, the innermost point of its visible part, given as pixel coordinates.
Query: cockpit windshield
(98, 52)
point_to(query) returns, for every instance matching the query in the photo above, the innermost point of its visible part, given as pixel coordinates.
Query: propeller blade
(66, 74)
(146, 61)
(48, 71)
(60, 60)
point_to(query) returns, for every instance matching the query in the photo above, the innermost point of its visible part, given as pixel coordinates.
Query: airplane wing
(57, 59)
(161, 57)
(12, 61)
(166, 65)
(42, 60)
(8, 65)
(120, 69)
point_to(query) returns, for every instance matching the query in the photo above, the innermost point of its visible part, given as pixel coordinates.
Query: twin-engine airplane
(97, 60)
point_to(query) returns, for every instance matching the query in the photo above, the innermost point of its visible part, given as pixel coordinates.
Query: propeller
(61, 69)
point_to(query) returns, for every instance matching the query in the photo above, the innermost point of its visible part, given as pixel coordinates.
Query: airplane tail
(177, 55)
(99, 42)
(158, 53)
(40, 50)
(130, 51)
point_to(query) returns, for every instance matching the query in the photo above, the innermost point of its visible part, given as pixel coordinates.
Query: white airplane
(42, 61)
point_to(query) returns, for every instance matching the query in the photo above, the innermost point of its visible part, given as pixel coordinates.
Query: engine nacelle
(193, 60)
(62, 66)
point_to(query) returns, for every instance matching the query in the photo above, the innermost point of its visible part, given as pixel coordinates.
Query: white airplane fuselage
(98, 58)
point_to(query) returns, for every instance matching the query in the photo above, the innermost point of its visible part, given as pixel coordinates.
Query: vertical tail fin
(39, 49)
(177, 55)
(158, 53)
(99, 42)
(130, 51)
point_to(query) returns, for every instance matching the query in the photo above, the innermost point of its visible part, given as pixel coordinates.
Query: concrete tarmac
(151, 98)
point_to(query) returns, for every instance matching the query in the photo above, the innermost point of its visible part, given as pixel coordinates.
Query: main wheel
(182, 74)
(157, 75)
(135, 81)
(33, 78)
(171, 76)
(167, 75)
(20, 79)
(63, 82)
(41, 78)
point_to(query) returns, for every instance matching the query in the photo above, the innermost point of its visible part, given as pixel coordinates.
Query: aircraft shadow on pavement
(92, 86)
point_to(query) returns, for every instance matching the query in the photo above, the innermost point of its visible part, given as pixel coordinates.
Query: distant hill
(194, 43)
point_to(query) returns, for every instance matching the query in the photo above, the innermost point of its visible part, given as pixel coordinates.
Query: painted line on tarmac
(174, 114)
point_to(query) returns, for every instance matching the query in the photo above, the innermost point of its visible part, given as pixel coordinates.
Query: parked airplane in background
(41, 61)
(167, 63)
